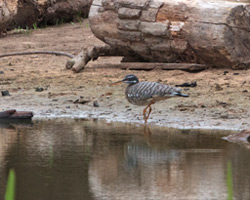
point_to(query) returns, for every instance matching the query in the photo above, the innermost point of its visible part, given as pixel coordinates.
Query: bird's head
(129, 79)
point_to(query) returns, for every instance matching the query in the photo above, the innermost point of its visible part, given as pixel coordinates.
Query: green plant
(59, 21)
(87, 25)
(229, 181)
(35, 27)
(10, 189)
(20, 30)
(78, 17)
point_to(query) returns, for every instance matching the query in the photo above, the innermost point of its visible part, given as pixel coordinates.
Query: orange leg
(150, 109)
(145, 117)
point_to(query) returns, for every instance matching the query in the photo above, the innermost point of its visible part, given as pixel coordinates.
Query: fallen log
(27, 13)
(79, 62)
(215, 33)
(150, 66)
(8, 9)
(13, 114)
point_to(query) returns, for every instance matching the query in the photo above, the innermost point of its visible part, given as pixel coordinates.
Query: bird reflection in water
(144, 152)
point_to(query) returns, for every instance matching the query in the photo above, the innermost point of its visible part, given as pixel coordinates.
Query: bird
(147, 93)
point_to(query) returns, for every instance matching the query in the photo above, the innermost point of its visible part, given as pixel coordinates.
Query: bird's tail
(178, 93)
(183, 95)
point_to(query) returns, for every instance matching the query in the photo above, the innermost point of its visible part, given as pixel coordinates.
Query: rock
(218, 87)
(223, 104)
(81, 100)
(39, 89)
(5, 93)
(192, 84)
(96, 104)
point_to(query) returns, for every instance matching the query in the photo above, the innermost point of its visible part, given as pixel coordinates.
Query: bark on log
(8, 9)
(25, 13)
(209, 32)
(65, 10)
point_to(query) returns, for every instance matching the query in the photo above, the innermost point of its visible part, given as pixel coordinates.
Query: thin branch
(57, 53)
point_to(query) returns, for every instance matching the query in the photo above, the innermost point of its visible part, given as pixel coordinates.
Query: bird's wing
(165, 91)
(144, 92)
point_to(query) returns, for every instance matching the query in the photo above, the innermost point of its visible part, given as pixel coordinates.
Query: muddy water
(78, 159)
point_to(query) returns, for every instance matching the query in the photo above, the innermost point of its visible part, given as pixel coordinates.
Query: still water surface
(78, 159)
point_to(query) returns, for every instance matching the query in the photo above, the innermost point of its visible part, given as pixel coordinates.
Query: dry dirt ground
(221, 99)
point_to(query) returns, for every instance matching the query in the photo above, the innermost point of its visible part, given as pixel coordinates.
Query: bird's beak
(116, 83)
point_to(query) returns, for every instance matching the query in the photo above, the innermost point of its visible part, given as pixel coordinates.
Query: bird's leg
(144, 114)
(145, 110)
(150, 109)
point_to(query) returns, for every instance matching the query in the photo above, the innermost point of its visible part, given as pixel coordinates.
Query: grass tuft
(10, 189)
(229, 181)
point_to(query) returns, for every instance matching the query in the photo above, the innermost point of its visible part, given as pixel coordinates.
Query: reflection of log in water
(13, 123)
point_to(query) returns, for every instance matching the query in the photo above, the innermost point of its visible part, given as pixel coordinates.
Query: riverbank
(40, 83)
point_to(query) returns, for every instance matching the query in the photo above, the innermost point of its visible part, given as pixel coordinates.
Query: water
(78, 159)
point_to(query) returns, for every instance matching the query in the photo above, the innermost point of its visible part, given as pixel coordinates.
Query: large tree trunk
(196, 31)
(66, 10)
(26, 13)
(8, 9)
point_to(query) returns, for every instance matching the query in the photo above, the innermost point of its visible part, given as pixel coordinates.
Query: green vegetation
(87, 25)
(10, 189)
(35, 27)
(78, 18)
(21, 30)
(229, 181)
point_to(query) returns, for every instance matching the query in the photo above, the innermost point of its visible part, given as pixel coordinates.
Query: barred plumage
(143, 92)
(147, 93)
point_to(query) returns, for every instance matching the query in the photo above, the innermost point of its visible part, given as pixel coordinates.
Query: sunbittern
(147, 93)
